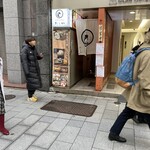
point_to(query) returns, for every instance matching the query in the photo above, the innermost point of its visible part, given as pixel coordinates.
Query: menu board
(60, 58)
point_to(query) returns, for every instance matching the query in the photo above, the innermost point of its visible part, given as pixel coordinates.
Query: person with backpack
(139, 95)
(138, 117)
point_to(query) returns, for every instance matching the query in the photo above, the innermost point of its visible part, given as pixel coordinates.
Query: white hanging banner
(87, 35)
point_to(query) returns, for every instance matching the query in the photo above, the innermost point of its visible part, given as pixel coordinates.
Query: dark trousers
(30, 93)
(126, 114)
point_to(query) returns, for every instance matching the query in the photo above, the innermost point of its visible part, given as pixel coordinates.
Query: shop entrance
(87, 82)
(128, 26)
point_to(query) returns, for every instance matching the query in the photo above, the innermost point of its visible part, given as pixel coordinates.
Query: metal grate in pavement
(70, 108)
(9, 97)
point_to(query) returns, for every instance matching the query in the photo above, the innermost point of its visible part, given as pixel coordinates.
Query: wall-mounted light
(130, 21)
(132, 12)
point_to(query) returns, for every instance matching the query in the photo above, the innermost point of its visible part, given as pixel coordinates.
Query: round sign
(87, 37)
(59, 13)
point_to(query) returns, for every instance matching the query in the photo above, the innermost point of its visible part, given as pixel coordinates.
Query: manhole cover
(8, 97)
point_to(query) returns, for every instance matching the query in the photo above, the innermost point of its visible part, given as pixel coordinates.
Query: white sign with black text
(62, 18)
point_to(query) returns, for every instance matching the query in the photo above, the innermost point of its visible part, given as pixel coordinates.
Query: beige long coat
(139, 97)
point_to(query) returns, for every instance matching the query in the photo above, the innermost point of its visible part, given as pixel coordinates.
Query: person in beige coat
(2, 102)
(139, 94)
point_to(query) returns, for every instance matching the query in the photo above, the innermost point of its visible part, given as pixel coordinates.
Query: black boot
(114, 137)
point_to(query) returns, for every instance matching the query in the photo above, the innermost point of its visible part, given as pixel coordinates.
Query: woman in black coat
(29, 60)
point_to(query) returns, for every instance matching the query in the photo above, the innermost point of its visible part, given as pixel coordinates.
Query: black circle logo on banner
(87, 37)
(59, 13)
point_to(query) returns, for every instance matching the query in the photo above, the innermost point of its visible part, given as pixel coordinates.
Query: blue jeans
(126, 114)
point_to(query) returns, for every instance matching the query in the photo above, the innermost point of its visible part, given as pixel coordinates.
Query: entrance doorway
(96, 67)
(129, 26)
(87, 26)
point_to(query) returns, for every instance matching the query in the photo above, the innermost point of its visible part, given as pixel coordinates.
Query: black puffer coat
(29, 60)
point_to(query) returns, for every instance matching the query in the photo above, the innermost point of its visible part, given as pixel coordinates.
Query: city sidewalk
(34, 129)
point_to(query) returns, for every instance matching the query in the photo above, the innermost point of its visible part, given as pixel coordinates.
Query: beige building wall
(116, 45)
(76, 4)
(129, 39)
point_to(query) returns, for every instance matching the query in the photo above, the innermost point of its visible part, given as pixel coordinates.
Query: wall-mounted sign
(100, 38)
(62, 18)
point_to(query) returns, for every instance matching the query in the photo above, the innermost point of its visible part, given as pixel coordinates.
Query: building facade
(18, 20)
(22, 18)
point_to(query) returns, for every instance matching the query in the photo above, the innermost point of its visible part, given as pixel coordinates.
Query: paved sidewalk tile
(82, 143)
(110, 114)
(142, 144)
(129, 135)
(57, 145)
(16, 132)
(22, 143)
(24, 114)
(37, 129)
(12, 122)
(10, 114)
(46, 139)
(102, 141)
(4, 143)
(89, 130)
(47, 119)
(105, 125)
(142, 134)
(75, 123)
(35, 148)
(58, 125)
(95, 118)
(68, 134)
(30, 120)
(34, 129)
(122, 146)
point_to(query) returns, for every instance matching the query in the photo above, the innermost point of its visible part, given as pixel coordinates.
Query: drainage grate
(70, 108)
(9, 97)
